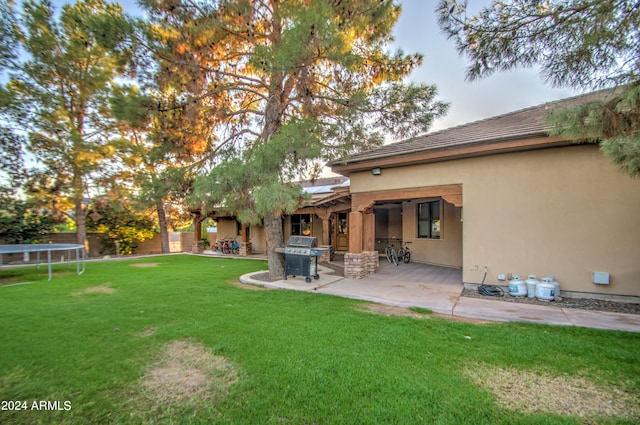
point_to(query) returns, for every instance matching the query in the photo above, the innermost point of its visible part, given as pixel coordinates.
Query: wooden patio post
(355, 232)
(245, 245)
(369, 231)
(198, 244)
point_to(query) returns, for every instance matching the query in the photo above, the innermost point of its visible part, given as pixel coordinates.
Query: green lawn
(179, 342)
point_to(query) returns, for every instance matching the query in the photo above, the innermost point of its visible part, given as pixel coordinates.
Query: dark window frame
(429, 216)
(300, 223)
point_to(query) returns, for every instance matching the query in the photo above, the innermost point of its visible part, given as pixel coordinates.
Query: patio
(405, 285)
(439, 289)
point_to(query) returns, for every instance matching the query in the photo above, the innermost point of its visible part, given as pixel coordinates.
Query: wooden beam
(364, 201)
(456, 199)
(344, 206)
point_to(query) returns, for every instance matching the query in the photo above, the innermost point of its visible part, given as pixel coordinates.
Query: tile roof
(523, 124)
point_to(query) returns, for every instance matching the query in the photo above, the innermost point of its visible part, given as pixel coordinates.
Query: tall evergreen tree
(9, 33)
(577, 43)
(160, 155)
(285, 83)
(11, 142)
(59, 95)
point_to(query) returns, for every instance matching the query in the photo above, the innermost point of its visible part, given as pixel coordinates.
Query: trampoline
(48, 248)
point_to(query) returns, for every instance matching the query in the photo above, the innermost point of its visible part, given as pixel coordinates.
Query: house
(324, 217)
(499, 194)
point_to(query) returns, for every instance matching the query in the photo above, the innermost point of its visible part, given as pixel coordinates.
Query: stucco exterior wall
(257, 239)
(228, 229)
(446, 251)
(564, 211)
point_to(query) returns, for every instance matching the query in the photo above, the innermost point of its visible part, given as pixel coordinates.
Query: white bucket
(545, 291)
(532, 282)
(517, 288)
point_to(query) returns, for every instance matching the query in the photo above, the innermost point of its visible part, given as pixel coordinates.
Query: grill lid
(302, 241)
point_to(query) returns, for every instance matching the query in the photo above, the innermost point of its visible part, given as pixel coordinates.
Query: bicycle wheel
(394, 256)
(388, 252)
(400, 254)
(407, 257)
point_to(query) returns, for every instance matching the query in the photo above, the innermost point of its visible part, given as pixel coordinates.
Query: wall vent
(600, 278)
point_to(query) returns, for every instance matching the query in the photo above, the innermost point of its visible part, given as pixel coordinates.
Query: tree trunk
(275, 238)
(273, 114)
(162, 222)
(81, 218)
(81, 226)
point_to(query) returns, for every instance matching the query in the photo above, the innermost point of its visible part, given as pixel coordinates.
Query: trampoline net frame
(48, 248)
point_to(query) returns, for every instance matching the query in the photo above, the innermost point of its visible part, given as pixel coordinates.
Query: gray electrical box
(600, 278)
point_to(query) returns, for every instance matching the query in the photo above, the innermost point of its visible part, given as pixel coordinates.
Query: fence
(179, 242)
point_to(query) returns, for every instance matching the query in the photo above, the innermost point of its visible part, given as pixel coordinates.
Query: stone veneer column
(354, 265)
(326, 256)
(245, 249)
(372, 261)
(197, 247)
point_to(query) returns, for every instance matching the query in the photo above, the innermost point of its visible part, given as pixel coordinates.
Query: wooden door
(341, 229)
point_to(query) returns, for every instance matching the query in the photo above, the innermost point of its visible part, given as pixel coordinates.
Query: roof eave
(531, 142)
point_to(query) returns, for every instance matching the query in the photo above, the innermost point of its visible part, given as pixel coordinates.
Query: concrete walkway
(438, 289)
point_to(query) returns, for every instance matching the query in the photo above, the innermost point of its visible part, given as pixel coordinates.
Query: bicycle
(391, 253)
(404, 253)
(217, 246)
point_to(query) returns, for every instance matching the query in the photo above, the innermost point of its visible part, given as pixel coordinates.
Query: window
(342, 224)
(301, 224)
(429, 220)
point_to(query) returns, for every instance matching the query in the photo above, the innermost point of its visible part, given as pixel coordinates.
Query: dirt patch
(98, 289)
(530, 392)
(144, 265)
(188, 372)
(147, 332)
(389, 310)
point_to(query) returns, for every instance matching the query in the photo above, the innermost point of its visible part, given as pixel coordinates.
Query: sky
(417, 31)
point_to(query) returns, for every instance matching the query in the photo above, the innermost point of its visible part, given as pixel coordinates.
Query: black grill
(299, 252)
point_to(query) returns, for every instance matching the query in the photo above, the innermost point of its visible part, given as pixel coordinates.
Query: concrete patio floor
(438, 289)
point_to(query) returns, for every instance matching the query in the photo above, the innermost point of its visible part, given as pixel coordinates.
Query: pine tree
(8, 34)
(11, 142)
(59, 95)
(581, 44)
(285, 84)
(156, 163)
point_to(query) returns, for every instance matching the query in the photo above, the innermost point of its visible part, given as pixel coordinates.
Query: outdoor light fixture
(376, 171)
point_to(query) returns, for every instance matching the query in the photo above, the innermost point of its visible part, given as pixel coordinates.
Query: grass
(274, 356)
(420, 310)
